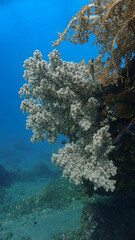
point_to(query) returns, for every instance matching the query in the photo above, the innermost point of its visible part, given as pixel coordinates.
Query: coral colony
(83, 102)
(61, 98)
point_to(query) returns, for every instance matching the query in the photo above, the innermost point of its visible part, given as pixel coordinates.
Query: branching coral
(113, 24)
(62, 98)
(88, 159)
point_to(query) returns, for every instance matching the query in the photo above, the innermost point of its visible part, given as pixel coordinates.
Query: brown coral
(113, 24)
(123, 103)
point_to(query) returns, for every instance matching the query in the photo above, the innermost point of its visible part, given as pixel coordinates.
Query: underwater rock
(105, 218)
(5, 178)
(110, 218)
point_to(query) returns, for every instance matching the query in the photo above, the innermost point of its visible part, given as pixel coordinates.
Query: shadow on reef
(113, 218)
(110, 218)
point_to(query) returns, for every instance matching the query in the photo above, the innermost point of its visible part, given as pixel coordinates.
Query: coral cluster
(113, 24)
(88, 159)
(62, 98)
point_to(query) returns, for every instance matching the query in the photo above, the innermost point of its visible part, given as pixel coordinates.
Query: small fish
(63, 141)
(73, 128)
(92, 69)
(34, 223)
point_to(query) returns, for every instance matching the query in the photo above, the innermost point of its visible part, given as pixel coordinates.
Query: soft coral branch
(112, 22)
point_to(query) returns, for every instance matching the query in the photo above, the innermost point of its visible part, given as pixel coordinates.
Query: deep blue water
(25, 26)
